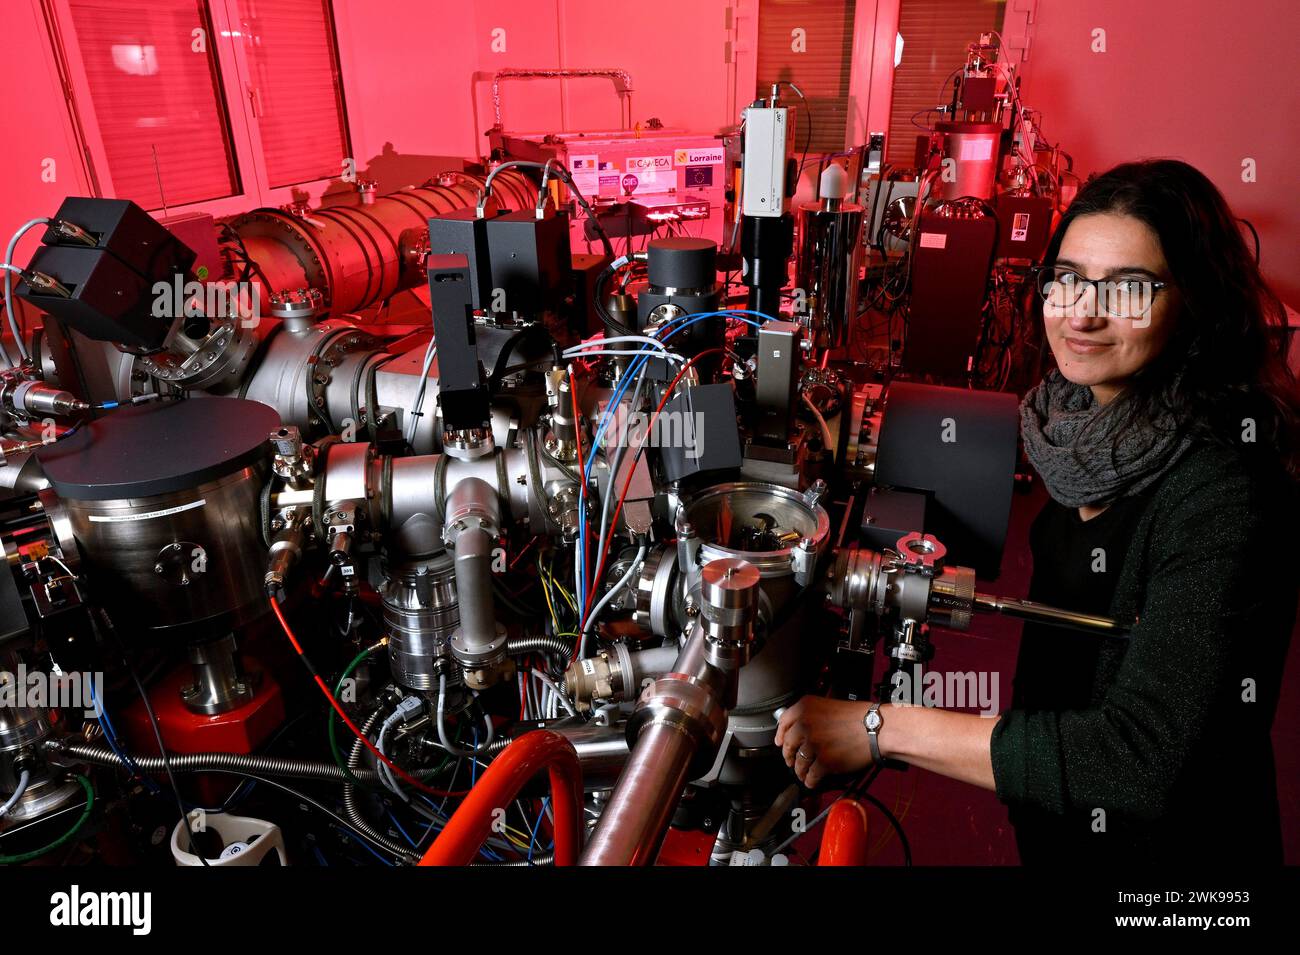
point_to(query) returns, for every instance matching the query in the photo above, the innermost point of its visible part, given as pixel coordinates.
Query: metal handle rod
(1055, 616)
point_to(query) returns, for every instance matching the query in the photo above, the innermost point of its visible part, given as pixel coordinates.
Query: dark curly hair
(1226, 358)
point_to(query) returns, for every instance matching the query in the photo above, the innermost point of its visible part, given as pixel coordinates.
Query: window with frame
(935, 36)
(809, 43)
(221, 102)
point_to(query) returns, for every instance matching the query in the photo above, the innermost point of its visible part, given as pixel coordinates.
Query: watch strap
(873, 735)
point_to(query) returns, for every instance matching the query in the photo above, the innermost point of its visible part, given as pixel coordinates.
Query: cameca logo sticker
(642, 164)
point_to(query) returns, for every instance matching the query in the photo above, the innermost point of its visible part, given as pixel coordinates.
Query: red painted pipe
(844, 841)
(500, 785)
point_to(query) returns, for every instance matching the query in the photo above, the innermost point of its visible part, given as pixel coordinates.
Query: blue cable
(432, 822)
(537, 825)
(400, 829)
(425, 835)
(641, 359)
(110, 735)
(486, 852)
(633, 369)
(363, 844)
(473, 763)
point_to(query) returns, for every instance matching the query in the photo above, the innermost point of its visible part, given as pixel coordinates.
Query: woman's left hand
(820, 737)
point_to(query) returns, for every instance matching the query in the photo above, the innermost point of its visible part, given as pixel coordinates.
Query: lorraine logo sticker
(699, 157)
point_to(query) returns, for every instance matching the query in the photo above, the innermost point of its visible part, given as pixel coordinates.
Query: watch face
(873, 720)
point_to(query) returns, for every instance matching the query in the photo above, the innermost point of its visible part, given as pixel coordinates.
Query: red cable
(406, 777)
(521, 553)
(618, 509)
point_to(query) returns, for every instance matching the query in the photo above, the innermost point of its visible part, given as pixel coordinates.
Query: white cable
(543, 695)
(670, 356)
(13, 323)
(429, 354)
(386, 774)
(826, 431)
(9, 288)
(599, 340)
(491, 729)
(442, 728)
(23, 780)
(407, 707)
(609, 595)
(550, 685)
(66, 570)
(442, 725)
(616, 466)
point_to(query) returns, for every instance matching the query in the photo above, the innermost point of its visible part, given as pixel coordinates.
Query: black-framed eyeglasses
(1119, 296)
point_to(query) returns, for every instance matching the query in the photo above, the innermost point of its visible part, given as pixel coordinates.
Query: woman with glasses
(1166, 437)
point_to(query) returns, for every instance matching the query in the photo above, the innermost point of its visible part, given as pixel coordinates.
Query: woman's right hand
(820, 737)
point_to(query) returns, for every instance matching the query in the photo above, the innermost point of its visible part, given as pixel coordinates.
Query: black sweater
(1155, 748)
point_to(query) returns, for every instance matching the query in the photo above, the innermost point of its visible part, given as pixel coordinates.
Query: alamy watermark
(668, 429)
(237, 300)
(40, 690)
(951, 690)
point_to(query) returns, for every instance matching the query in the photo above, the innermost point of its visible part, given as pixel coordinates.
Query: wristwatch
(873, 721)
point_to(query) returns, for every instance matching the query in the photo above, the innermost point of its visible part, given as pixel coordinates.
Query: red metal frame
(518, 763)
(844, 841)
(686, 847)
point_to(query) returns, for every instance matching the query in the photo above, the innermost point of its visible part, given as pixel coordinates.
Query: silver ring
(802, 755)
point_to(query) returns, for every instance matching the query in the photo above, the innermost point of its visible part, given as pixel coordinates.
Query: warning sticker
(1020, 227)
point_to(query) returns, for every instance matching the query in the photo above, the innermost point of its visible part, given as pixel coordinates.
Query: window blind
(821, 71)
(935, 34)
(295, 89)
(157, 99)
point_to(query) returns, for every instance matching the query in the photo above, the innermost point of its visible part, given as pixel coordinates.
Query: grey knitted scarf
(1071, 442)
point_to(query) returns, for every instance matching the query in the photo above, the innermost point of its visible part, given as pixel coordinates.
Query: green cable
(76, 827)
(331, 717)
(332, 723)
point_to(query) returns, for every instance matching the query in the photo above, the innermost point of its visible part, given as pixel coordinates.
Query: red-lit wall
(1201, 80)
(417, 74)
(417, 81)
(1178, 77)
